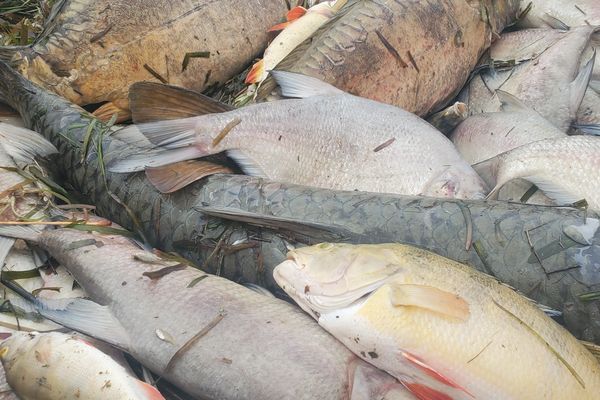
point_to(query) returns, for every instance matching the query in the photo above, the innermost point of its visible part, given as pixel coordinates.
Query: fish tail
(27, 233)
(256, 72)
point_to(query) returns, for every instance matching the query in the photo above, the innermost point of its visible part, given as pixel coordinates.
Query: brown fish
(92, 51)
(412, 54)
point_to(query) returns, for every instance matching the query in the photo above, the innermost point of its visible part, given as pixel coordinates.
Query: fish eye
(3, 351)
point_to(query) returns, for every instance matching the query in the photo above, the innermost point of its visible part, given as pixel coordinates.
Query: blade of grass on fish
(105, 230)
(194, 54)
(86, 139)
(590, 296)
(175, 257)
(13, 275)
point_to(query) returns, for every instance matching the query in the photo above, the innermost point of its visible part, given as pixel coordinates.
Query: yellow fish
(446, 331)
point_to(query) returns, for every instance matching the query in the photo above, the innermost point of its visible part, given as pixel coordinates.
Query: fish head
(330, 276)
(17, 343)
(456, 181)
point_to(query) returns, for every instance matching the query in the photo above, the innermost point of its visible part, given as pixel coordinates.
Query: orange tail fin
(295, 13)
(256, 73)
(149, 391)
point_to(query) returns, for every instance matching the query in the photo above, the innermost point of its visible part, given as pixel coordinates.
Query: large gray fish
(201, 332)
(92, 51)
(551, 81)
(538, 250)
(326, 138)
(412, 54)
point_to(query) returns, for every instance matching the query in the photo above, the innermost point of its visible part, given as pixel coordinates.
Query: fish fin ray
(169, 134)
(302, 86)
(317, 231)
(432, 372)
(431, 299)
(247, 164)
(423, 392)
(87, 317)
(554, 22)
(28, 233)
(107, 110)
(173, 177)
(553, 190)
(153, 159)
(256, 73)
(295, 13)
(510, 103)
(23, 145)
(279, 27)
(588, 129)
(579, 85)
(148, 392)
(150, 101)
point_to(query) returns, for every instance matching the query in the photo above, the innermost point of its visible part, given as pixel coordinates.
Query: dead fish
(325, 139)
(300, 25)
(449, 118)
(52, 366)
(92, 51)
(444, 330)
(211, 324)
(522, 245)
(483, 136)
(563, 168)
(588, 115)
(549, 83)
(412, 54)
(559, 13)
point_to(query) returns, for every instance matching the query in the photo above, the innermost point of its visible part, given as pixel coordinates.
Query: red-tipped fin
(279, 27)
(295, 13)
(171, 178)
(256, 73)
(148, 392)
(423, 392)
(419, 363)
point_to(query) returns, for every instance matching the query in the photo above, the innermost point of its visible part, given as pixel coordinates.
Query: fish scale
(177, 222)
(256, 347)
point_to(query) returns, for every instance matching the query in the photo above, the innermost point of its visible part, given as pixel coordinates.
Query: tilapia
(540, 251)
(563, 168)
(198, 331)
(550, 82)
(443, 329)
(52, 366)
(357, 144)
(92, 51)
(412, 54)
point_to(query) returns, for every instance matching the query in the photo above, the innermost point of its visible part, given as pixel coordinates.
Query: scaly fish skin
(53, 366)
(92, 51)
(437, 324)
(252, 332)
(544, 83)
(562, 167)
(293, 141)
(544, 13)
(413, 54)
(502, 238)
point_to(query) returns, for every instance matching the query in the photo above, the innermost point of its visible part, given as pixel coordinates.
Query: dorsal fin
(150, 101)
(510, 103)
(301, 86)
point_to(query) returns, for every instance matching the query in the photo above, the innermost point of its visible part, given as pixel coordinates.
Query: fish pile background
(346, 199)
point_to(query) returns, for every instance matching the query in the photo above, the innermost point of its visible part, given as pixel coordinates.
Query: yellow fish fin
(429, 298)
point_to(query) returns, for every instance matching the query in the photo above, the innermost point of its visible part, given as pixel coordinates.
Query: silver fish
(327, 139)
(219, 330)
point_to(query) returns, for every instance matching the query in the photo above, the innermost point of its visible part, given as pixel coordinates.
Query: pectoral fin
(172, 177)
(431, 299)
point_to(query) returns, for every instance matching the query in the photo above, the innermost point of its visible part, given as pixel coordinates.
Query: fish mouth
(313, 297)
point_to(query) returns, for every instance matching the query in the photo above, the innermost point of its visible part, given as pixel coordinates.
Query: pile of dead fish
(401, 203)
